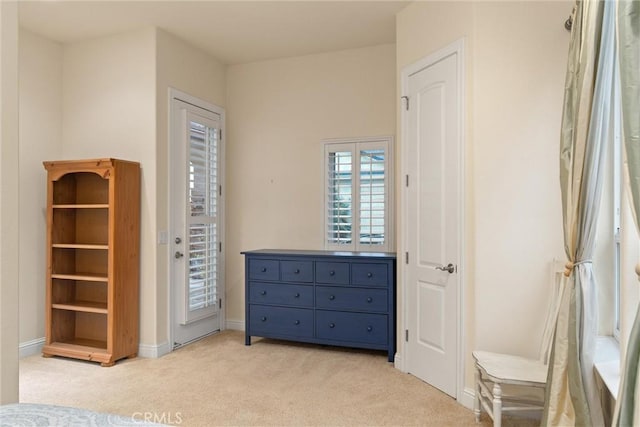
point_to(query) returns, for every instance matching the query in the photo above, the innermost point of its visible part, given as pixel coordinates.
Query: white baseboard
(235, 325)
(31, 348)
(154, 351)
(467, 398)
(398, 363)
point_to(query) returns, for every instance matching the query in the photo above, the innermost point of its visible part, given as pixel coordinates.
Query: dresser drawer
(332, 272)
(281, 321)
(353, 299)
(369, 274)
(273, 293)
(296, 271)
(264, 269)
(352, 327)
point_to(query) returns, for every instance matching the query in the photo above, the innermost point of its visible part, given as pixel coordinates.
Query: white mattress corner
(33, 414)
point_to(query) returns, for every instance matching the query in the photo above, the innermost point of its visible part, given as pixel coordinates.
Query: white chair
(507, 383)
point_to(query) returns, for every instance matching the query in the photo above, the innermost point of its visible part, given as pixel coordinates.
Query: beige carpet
(220, 381)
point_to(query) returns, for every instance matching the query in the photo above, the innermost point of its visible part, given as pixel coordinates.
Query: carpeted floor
(219, 381)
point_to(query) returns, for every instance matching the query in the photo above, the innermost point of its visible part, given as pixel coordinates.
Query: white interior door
(433, 221)
(196, 224)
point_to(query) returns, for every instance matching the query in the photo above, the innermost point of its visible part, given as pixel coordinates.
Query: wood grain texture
(93, 240)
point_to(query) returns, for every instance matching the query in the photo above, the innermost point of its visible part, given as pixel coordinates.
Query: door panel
(433, 222)
(431, 326)
(430, 109)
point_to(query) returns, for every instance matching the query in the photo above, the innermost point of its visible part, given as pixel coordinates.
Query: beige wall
(109, 107)
(40, 139)
(520, 64)
(183, 67)
(515, 61)
(277, 113)
(9, 213)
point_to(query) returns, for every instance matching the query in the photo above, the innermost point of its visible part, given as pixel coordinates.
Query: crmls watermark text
(172, 418)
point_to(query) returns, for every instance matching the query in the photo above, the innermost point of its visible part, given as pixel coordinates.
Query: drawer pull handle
(296, 271)
(369, 328)
(263, 269)
(332, 325)
(369, 275)
(332, 297)
(263, 318)
(297, 322)
(263, 292)
(297, 295)
(369, 299)
(332, 273)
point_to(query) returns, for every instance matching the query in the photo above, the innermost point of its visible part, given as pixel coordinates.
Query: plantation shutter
(372, 197)
(357, 195)
(340, 196)
(202, 218)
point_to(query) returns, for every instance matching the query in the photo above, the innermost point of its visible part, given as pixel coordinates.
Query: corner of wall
(9, 214)
(154, 351)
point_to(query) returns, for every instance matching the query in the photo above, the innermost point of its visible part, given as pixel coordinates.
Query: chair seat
(509, 369)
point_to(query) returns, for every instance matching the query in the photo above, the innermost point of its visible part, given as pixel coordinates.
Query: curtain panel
(627, 412)
(571, 395)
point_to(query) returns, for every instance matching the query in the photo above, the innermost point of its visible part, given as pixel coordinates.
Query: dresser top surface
(316, 253)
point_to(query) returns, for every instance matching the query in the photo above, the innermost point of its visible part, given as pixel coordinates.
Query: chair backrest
(558, 286)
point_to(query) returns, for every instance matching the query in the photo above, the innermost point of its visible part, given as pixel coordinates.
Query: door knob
(450, 268)
(178, 240)
(178, 255)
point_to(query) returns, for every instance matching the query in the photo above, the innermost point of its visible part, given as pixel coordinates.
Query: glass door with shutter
(196, 224)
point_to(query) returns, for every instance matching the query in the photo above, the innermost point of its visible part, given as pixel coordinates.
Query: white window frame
(617, 204)
(355, 145)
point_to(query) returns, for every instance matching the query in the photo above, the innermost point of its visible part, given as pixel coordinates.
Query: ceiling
(231, 31)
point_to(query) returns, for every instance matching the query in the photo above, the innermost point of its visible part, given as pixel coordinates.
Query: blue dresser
(323, 297)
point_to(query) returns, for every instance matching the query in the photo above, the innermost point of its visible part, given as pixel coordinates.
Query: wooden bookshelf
(93, 240)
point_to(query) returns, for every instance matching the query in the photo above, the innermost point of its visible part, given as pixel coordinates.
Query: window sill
(607, 372)
(607, 363)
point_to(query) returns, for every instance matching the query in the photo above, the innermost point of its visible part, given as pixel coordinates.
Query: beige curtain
(627, 411)
(571, 395)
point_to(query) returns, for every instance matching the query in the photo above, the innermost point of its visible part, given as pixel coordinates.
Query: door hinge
(219, 246)
(220, 133)
(406, 335)
(406, 257)
(220, 190)
(406, 102)
(406, 180)
(220, 303)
